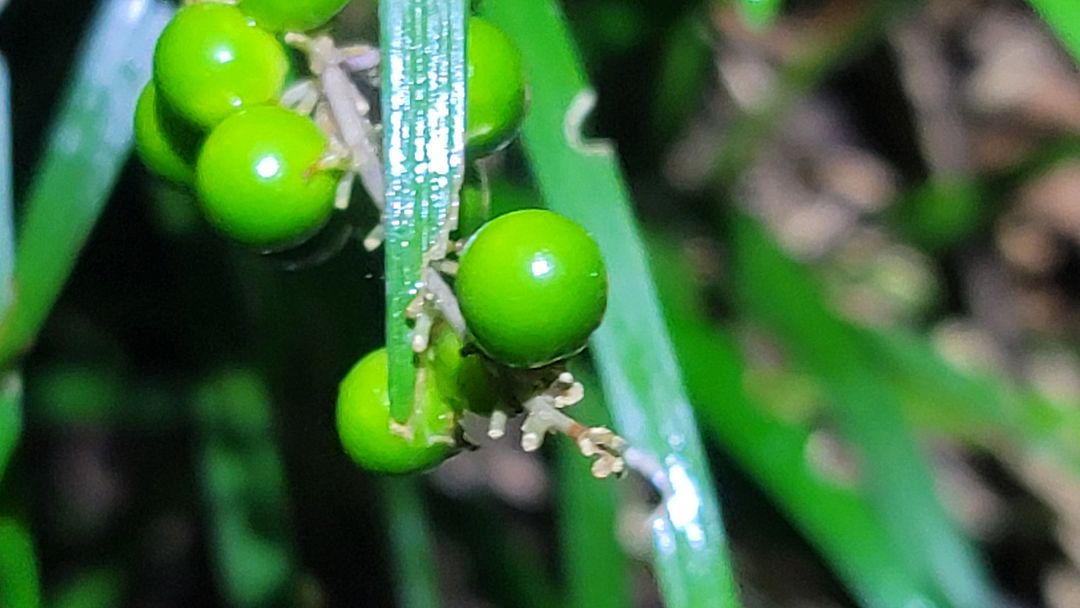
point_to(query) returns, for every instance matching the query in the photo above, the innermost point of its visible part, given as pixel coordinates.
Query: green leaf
(18, 566)
(7, 207)
(10, 385)
(1063, 16)
(774, 290)
(410, 543)
(983, 409)
(244, 488)
(837, 520)
(89, 142)
(595, 565)
(10, 417)
(632, 350)
(423, 102)
(99, 588)
(760, 13)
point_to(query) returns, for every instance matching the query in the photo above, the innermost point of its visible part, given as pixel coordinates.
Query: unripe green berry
(532, 287)
(165, 144)
(258, 179)
(211, 60)
(364, 423)
(464, 381)
(291, 15)
(495, 88)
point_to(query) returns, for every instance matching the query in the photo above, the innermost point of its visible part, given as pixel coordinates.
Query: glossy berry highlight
(211, 61)
(365, 428)
(532, 287)
(291, 15)
(163, 142)
(495, 96)
(257, 177)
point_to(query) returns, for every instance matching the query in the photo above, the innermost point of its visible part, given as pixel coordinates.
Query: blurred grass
(244, 489)
(10, 384)
(7, 193)
(838, 520)
(642, 383)
(1063, 16)
(771, 289)
(98, 588)
(423, 104)
(88, 144)
(416, 584)
(760, 13)
(826, 50)
(19, 586)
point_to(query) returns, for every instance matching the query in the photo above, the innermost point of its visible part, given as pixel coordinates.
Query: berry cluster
(269, 163)
(210, 119)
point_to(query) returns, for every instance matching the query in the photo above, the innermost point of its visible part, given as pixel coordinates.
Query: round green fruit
(165, 144)
(532, 287)
(291, 15)
(258, 181)
(464, 381)
(365, 428)
(211, 60)
(474, 205)
(495, 88)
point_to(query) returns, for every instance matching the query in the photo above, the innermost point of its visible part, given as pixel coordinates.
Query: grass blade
(7, 206)
(771, 288)
(595, 565)
(1063, 16)
(18, 566)
(244, 487)
(10, 385)
(10, 417)
(89, 143)
(423, 101)
(760, 13)
(633, 353)
(410, 543)
(837, 520)
(985, 410)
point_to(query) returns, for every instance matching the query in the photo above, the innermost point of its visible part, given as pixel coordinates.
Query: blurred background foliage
(863, 223)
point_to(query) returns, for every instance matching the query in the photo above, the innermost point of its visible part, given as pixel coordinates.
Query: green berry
(495, 88)
(257, 178)
(211, 61)
(165, 144)
(532, 287)
(464, 381)
(365, 429)
(474, 205)
(291, 15)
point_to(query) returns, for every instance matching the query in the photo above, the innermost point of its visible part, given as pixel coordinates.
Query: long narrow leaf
(89, 143)
(423, 101)
(771, 288)
(10, 417)
(417, 585)
(1063, 16)
(244, 488)
(837, 520)
(18, 566)
(7, 207)
(10, 385)
(633, 352)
